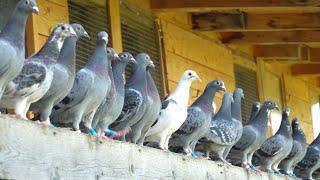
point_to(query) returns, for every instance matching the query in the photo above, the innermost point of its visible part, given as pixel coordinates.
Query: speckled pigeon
(311, 161)
(12, 42)
(63, 77)
(37, 73)
(277, 147)
(222, 132)
(135, 95)
(298, 151)
(173, 112)
(254, 111)
(253, 135)
(112, 106)
(151, 114)
(89, 89)
(236, 118)
(198, 120)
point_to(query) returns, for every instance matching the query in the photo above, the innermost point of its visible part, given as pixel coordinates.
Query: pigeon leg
(88, 124)
(20, 109)
(244, 160)
(166, 144)
(77, 120)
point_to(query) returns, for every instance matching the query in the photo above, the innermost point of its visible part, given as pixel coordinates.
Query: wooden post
(115, 24)
(31, 33)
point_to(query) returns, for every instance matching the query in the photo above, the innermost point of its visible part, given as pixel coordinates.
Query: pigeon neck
(99, 60)
(206, 99)
(14, 31)
(225, 110)
(261, 120)
(118, 70)
(151, 85)
(236, 108)
(316, 142)
(253, 114)
(138, 78)
(181, 93)
(67, 56)
(285, 128)
(52, 47)
(298, 135)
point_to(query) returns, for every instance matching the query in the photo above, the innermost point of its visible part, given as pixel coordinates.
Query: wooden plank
(315, 54)
(31, 35)
(295, 87)
(115, 24)
(276, 51)
(196, 48)
(209, 5)
(222, 21)
(312, 69)
(71, 155)
(270, 38)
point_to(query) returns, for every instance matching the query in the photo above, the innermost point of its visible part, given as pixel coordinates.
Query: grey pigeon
(198, 120)
(236, 118)
(277, 147)
(254, 111)
(12, 42)
(298, 151)
(63, 77)
(112, 106)
(253, 135)
(152, 111)
(135, 95)
(311, 161)
(90, 87)
(222, 133)
(37, 73)
(173, 113)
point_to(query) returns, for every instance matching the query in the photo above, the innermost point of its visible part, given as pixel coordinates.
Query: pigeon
(198, 120)
(311, 161)
(277, 147)
(253, 135)
(152, 111)
(90, 87)
(63, 77)
(173, 112)
(223, 130)
(36, 75)
(236, 118)
(112, 106)
(254, 111)
(12, 42)
(135, 95)
(298, 151)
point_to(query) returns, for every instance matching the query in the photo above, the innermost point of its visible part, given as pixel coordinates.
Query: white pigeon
(173, 112)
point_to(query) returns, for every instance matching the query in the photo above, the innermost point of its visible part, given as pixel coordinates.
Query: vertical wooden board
(296, 87)
(176, 65)
(115, 24)
(272, 87)
(197, 49)
(307, 129)
(299, 108)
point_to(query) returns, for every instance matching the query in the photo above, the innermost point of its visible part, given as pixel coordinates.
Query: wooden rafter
(315, 54)
(277, 51)
(271, 37)
(224, 21)
(312, 69)
(209, 5)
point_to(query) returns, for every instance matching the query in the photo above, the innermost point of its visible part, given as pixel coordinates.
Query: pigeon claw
(93, 132)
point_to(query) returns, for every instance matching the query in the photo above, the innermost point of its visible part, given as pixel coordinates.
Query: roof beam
(308, 69)
(271, 37)
(277, 51)
(217, 21)
(209, 5)
(315, 54)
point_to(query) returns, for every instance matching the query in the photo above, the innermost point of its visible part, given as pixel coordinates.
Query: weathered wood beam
(217, 21)
(207, 5)
(306, 69)
(315, 54)
(115, 24)
(277, 51)
(271, 37)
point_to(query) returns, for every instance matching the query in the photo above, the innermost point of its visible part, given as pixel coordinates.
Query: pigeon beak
(133, 61)
(242, 96)
(35, 10)
(72, 32)
(116, 57)
(197, 78)
(105, 39)
(86, 35)
(224, 89)
(277, 108)
(151, 64)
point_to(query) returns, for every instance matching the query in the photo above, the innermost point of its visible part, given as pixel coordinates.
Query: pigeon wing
(194, 121)
(310, 159)
(271, 147)
(248, 137)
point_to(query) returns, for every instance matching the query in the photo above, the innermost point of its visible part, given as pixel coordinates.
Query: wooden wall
(201, 51)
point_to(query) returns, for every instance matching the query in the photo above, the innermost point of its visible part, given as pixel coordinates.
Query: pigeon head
(28, 6)
(228, 97)
(256, 106)
(126, 58)
(238, 92)
(270, 105)
(80, 31)
(103, 38)
(63, 31)
(112, 54)
(286, 112)
(217, 84)
(295, 123)
(191, 76)
(144, 60)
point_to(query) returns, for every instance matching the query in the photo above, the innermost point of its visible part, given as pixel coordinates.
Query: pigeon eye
(27, 2)
(108, 52)
(78, 29)
(189, 74)
(147, 57)
(63, 28)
